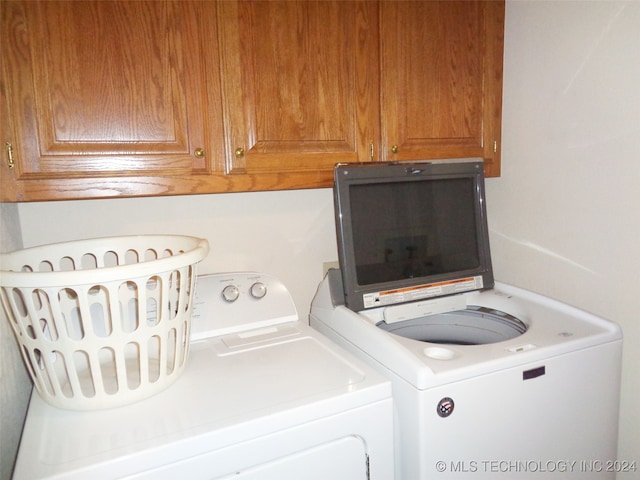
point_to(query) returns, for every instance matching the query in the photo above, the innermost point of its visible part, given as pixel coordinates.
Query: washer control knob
(230, 293)
(258, 290)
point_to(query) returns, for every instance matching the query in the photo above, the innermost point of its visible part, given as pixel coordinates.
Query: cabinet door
(300, 84)
(98, 89)
(441, 80)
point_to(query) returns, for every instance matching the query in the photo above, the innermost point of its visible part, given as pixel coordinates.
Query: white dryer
(263, 397)
(489, 381)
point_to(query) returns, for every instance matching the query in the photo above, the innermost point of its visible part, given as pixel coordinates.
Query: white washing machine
(263, 397)
(489, 381)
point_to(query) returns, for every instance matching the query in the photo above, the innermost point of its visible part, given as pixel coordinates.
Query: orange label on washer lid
(416, 292)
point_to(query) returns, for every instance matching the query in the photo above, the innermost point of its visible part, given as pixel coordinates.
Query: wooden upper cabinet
(109, 88)
(126, 98)
(441, 80)
(300, 84)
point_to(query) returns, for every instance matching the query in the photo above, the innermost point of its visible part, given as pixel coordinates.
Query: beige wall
(564, 216)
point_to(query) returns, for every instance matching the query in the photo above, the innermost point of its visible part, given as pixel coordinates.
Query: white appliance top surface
(235, 387)
(554, 329)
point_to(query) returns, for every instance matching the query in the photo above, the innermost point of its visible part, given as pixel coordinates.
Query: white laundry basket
(102, 322)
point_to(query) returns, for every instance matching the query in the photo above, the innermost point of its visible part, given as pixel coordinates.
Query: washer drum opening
(473, 326)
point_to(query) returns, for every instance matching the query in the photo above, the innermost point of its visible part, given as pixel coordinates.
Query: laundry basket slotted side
(104, 322)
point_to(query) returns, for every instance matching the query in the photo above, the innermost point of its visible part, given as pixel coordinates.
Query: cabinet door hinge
(495, 146)
(9, 148)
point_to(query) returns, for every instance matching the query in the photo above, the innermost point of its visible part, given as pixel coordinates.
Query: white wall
(564, 216)
(287, 234)
(15, 386)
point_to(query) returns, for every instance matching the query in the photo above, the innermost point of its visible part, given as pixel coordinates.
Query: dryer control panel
(239, 301)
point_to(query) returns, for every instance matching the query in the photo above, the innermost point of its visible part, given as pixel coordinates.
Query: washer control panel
(239, 301)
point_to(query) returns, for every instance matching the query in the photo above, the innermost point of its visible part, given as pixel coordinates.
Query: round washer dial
(258, 290)
(230, 293)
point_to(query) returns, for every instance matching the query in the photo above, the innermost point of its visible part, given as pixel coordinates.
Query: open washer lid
(412, 237)
(410, 231)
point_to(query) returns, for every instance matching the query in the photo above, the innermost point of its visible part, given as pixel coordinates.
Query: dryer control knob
(230, 293)
(258, 290)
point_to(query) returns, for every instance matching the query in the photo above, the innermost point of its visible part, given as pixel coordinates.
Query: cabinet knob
(394, 149)
(239, 152)
(199, 152)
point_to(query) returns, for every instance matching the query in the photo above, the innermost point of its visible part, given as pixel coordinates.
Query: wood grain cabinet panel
(441, 80)
(105, 88)
(127, 98)
(300, 84)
